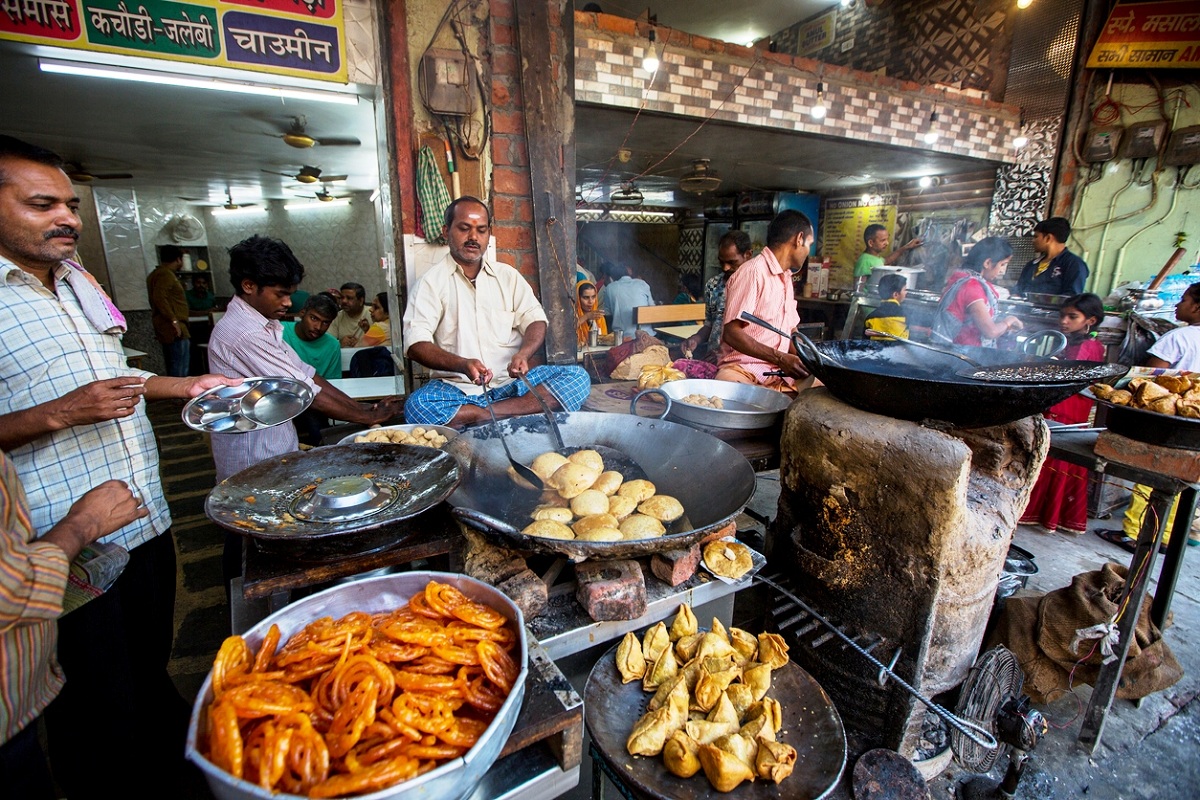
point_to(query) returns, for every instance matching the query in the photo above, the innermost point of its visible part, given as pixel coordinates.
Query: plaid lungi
(438, 401)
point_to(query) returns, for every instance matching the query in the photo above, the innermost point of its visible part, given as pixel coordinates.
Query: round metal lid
(341, 499)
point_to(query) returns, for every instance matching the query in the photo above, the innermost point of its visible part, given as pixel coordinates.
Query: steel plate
(252, 405)
(811, 724)
(257, 501)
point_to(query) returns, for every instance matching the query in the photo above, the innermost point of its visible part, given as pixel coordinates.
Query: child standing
(1059, 499)
(889, 317)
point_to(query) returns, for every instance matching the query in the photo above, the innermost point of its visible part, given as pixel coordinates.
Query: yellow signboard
(1149, 35)
(816, 34)
(842, 226)
(301, 38)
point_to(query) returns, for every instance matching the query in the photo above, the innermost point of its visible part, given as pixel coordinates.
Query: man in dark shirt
(1056, 270)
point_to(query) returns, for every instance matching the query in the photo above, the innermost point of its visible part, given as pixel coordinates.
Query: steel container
(747, 407)
(452, 780)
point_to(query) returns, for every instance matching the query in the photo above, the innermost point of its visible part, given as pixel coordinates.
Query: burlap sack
(1042, 639)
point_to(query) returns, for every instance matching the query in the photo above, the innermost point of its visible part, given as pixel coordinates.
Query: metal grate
(1045, 38)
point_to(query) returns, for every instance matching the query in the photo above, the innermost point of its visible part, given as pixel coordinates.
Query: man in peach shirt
(763, 286)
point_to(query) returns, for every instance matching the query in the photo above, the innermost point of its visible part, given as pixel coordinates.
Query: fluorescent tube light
(190, 81)
(343, 201)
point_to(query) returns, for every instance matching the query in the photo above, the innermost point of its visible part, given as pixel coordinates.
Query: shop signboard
(1149, 36)
(299, 38)
(843, 223)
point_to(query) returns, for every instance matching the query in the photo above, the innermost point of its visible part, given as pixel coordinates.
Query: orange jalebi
(356, 704)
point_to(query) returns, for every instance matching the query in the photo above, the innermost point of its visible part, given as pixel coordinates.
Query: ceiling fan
(323, 195)
(627, 195)
(701, 179)
(76, 172)
(309, 175)
(297, 136)
(228, 205)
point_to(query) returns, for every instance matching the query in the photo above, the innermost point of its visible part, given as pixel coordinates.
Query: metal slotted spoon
(522, 470)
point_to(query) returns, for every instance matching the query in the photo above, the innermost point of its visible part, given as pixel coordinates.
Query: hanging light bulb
(650, 62)
(1021, 140)
(925, 182)
(1024, 3)
(819, 110)
(931, 135)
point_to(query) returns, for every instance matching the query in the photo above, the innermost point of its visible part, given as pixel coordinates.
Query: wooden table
(1079, 448)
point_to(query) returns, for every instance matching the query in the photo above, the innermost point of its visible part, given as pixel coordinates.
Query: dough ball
(546, 464)
(588, 458)
(573, 479)
(555, 513)
(608, 482)
(589, 502)
(621, 507)
(662, 507)
(639, 526)
(639, 490)
(550, 497)
(548, 529)
(593, 522)
(518, 480)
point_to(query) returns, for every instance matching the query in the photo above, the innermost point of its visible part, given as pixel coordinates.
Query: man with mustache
(469, 319)
(733, 250)
(71, 416)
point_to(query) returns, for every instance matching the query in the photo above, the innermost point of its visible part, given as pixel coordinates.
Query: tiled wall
(700, 78)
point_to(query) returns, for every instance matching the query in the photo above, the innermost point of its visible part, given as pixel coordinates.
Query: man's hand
(364, 324)
(349, 341)
(913, 244)
(99, 512)
(388, 409)
(98, 401)
(179, 328)
(792, 366)
(202, 383)
(477, 372)
(1013, 324)
(518, 366)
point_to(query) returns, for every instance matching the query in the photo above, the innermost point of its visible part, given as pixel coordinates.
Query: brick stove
(897, 533)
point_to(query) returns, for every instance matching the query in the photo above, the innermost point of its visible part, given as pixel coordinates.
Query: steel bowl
(747, 407)
(453, 780)
(444, 430)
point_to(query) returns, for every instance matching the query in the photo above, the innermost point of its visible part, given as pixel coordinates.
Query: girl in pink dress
(1059, 499)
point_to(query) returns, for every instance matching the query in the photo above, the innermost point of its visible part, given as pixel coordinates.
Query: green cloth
(866, 262)
(324, 355)
(432, 195)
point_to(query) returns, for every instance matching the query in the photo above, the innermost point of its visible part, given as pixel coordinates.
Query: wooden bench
(666, 315)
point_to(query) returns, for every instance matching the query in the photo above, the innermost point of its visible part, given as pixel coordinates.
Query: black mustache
(57, 232)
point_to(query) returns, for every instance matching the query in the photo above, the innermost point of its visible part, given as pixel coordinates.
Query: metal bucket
(1018, 566)
(451, 781)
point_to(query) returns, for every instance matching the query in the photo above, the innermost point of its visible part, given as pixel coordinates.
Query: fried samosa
(664, 668)
(775, 760)
(757, 676)
(723, 770)
(772, 650)
(680, 755)
(711, 686)
(685, 623)
(630, 661)
(744, 642)
(655, 641)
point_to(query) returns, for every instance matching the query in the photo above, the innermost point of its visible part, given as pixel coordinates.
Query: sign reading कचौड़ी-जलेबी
(1149, 35)
(300, 38)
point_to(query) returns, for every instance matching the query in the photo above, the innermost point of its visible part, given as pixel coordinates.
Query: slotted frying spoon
(522, 470)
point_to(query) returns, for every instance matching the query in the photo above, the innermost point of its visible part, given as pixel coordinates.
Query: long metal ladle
(522, 470)
(558, 440)
(925, 346)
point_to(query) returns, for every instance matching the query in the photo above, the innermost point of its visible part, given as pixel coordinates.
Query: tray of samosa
(683, 711)
(1160, 407)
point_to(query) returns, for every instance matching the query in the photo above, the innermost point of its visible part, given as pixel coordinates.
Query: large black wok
(711, 479)
(892, 379)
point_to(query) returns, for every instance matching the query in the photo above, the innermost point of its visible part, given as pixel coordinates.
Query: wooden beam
(546, 43)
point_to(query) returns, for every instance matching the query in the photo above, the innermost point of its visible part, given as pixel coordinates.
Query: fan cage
(995, 679)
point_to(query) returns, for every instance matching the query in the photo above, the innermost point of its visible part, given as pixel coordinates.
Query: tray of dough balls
(423, 435)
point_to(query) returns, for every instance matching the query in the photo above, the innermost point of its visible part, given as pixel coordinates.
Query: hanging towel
(96, 306)
(432, 195)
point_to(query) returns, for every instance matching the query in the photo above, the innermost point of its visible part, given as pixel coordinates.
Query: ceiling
(201, 144)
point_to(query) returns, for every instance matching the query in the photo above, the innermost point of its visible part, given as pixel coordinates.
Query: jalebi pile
(355, 705)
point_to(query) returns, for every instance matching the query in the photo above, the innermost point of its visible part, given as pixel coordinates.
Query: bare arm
(102, 510)
(736, 336)
(333, 402)
(979, 314)
(1154, 362)
(161, 387)
(692, 342)
(912, 244)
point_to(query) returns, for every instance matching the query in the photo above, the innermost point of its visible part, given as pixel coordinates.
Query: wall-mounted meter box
(1143, 139)
(1101, 144)
(1184, 147)
(446, 84)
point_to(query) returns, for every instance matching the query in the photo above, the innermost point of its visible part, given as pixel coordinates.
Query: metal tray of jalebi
(451, 780)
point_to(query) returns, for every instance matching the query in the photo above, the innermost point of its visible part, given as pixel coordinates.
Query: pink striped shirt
(764, 288)
(33, 576)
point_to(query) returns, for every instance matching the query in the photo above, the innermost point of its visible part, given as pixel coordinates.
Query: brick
(610, 590)
(506, 180)
(608, 22)
(1181, 464)
(720, 533)
(512, 122)
(676, 566)
(528, 591)
(500, 95)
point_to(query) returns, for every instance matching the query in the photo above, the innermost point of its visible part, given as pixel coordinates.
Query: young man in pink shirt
(763, 286)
